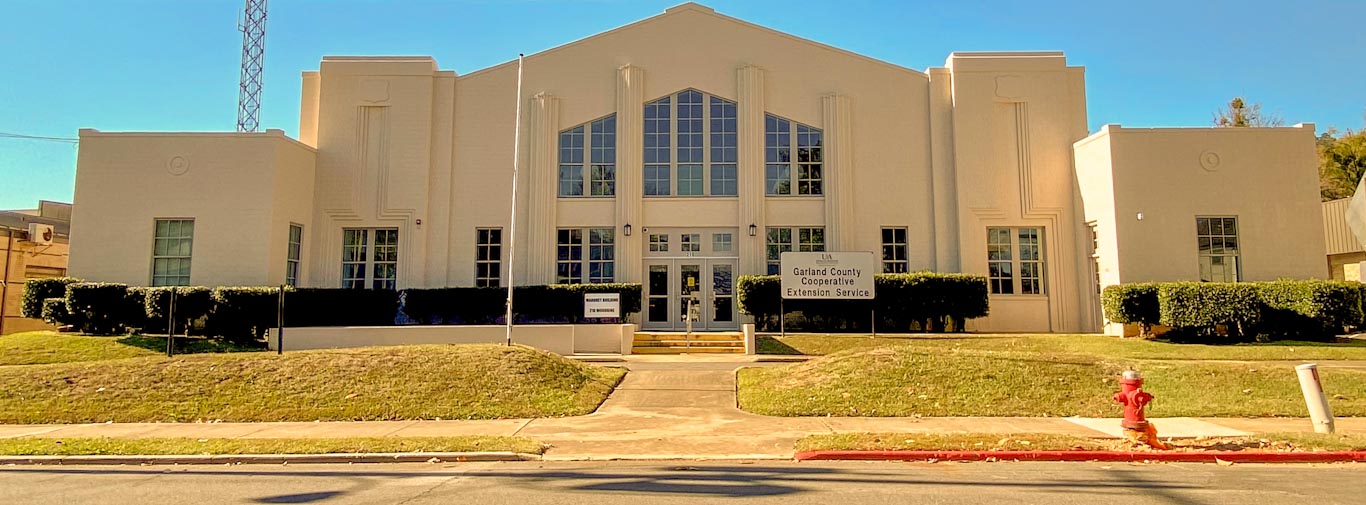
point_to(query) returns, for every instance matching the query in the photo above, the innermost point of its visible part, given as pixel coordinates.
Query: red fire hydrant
(1134, 398)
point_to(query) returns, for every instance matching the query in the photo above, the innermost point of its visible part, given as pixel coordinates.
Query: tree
(1342, 161)
(1240, 114)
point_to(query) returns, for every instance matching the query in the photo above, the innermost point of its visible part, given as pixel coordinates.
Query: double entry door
(709, 284)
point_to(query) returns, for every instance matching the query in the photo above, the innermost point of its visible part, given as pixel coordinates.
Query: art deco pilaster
(630, 184)
(839, 173)
(749, 80)
(541, 197)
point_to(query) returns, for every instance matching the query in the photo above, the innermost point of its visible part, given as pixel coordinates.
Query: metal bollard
(1314, 398)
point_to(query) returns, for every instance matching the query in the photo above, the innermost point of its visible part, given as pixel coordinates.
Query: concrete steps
(668, 342)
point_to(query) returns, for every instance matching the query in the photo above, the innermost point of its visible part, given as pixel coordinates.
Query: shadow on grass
(184, 345)
(771, 345)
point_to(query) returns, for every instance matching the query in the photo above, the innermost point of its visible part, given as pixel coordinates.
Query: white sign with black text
(602, 305)
(827, 275)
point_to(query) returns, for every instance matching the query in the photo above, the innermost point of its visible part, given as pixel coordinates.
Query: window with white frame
(369, 258)
(172, 246)
(782, 170)
(294, 255)
(1217, 239)
(894, 257)
(780, 240)
(599, 139)
(722, 242)
(573, 266)
(488, 257)
(1015, 262)
(690, 145)
(659, 242)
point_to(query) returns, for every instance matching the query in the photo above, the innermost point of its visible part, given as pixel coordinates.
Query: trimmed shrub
(38, 291)
(1210, 310)
(1132, 303)
(101, 308)
(1312, 309)
(555, 303)
(192, 304)
(241, 315)
(54, 312)
(339, 307)
(454, 305)
(924, 301)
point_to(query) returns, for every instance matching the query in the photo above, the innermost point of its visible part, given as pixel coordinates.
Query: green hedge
(923, 301)
(103, 308)
(339, 307)
(1132, 303)
(54, 312)
(1285, 309)
(241, 315)
(556, 303)
(38, 291)
(192, 305)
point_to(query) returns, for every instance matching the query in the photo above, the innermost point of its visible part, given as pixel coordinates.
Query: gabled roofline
(702, 9)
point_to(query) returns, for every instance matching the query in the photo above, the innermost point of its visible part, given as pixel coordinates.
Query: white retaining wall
(563, 339)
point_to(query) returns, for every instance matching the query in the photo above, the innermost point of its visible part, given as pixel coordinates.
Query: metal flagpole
(512, 222)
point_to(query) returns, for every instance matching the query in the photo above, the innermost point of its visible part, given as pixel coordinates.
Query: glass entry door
(708, 283)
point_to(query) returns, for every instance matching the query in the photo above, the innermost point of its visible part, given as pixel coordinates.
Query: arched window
(599, 138)
(782, 170)
(690, 145)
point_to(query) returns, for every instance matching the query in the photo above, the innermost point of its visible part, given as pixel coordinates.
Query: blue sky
(173, 64)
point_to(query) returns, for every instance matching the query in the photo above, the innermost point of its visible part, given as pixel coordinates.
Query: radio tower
(253, 28)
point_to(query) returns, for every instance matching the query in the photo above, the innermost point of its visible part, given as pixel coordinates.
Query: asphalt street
(758, 482)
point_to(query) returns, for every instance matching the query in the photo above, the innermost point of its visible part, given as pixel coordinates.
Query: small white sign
(827, 275)
(602, 305)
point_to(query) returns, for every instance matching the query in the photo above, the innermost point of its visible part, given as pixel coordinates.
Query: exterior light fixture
(753, 230)
(626, 229)
(1140, 216)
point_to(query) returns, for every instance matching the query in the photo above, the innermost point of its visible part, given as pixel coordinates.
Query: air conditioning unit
(39, 233)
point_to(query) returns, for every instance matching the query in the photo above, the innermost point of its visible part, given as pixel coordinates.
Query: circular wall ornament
(178, 165)
(1209, 160)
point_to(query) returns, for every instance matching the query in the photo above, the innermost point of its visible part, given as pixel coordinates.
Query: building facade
(679, 166)
(26, 254)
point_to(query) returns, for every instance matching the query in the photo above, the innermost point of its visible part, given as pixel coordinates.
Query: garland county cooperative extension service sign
(827, 275)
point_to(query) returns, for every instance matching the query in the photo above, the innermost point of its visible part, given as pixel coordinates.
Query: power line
(6, 135)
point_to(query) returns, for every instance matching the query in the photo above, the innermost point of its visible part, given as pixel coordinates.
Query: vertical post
(280, 323)
(687, 321)
(170, 324)
(512, 220)
(873, 323)
(782, 317)
(1314, 398)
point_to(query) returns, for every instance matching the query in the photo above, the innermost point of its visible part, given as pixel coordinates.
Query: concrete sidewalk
(674, 409)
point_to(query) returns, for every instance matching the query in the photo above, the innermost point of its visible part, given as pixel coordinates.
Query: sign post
(826, 276)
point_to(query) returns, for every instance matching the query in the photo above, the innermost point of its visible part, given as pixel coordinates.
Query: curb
(1120, 456)
(272, 459)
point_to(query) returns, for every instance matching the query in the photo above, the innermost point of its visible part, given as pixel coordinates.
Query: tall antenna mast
(253, 28)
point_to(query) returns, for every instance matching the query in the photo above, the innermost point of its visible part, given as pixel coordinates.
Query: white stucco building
(682, 166)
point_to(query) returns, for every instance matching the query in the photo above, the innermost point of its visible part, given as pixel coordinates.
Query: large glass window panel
(571, 162)
(690, 179)
(172, 247)
(488, 257)
(602, 172)
(1217, 245)
(294, 254)
(778, 241)
(894, 257)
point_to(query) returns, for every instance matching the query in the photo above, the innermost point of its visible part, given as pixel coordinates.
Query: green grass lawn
(41, 347)
(376, 383)
(967, 377)
(1028, 442)
(221, 446)
(1093, 345)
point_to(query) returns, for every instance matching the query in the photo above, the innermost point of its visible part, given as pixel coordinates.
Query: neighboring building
(1345, 253)
(679, 152)
(26, 253)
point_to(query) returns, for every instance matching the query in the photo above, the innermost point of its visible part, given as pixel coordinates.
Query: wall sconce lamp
(626, 229)
(1140, 216)
(753, 230)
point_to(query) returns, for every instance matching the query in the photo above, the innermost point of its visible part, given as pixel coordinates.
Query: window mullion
(794, 167)
(706, 144)
(673, 144)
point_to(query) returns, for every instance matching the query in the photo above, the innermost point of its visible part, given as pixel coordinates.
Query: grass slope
(907, 380)
(38, 347)
(218, 446)
(377, 383)
(1093, 345)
